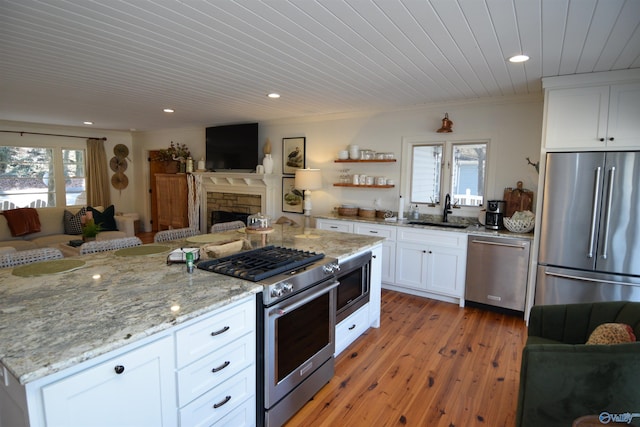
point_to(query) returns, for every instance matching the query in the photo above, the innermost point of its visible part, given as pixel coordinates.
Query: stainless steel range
(297, 317)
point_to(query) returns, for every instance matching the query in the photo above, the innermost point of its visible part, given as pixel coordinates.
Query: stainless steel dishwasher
(497, 270)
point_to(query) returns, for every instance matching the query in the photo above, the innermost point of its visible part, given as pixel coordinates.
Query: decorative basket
(519, 225)
(348, 211)
(366, 213)
(381, 214)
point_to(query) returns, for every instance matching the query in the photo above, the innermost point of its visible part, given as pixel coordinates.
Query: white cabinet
(388, 259)
(593, 117)
(216, 365)
(431, 263)
(334, 225)
(201, 372)
(135, 388)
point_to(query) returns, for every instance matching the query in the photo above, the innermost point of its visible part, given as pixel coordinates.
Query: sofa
(562, 378)
(52, 230)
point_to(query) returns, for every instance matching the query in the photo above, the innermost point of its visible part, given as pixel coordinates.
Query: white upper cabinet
(588, 117)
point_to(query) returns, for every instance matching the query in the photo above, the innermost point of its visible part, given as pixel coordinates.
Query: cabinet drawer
(342, 226)
(200, 339)
(242, 416)
(351, 328)
(220, 401)
(437, 237)
(388, 233)
(199, 377)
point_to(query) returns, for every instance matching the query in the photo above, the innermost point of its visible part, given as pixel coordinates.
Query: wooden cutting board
(517, 199)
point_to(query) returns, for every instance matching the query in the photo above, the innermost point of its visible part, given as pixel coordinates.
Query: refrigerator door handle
(607, 213)
(588, 279)
(594, 210)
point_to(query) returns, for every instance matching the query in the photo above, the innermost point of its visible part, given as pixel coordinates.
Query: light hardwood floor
(429, 364)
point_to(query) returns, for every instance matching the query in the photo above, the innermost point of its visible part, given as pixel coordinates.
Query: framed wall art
(293, 155)
(292, 198)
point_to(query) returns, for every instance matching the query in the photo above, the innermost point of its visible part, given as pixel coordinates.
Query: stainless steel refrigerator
(590, 228)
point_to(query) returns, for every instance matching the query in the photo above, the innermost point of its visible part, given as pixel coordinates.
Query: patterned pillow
(105, 219)
(72, 224)
(612, 333)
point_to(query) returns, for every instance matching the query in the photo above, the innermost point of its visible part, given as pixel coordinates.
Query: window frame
(446, 179)
(59, 189)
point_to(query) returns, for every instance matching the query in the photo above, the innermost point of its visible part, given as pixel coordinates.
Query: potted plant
(175, 153)
(89, 227)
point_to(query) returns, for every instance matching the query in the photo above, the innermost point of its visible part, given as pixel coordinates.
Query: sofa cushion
(104, 218)
(73, 222)
(22, 221)
(612, 333)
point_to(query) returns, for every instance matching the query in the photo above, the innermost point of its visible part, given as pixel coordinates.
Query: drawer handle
(221, 367)
(352, 327)
(217, 405)
(221, 331)
(119, 369)
(333, 226)
(373, 232)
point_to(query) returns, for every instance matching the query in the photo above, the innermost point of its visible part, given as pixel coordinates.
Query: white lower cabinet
(133, 389)
(202, 372)
(351, 328)
(431, 263)
(388, 260)
(334, 225)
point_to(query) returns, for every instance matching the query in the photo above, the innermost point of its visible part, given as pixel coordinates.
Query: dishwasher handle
(508, 245)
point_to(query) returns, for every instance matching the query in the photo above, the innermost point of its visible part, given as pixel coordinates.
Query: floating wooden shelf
(339, 184)
(365, 161)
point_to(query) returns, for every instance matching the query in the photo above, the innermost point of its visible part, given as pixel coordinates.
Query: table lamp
(307, 180)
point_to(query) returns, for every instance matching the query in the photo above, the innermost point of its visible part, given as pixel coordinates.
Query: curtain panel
(98, 193)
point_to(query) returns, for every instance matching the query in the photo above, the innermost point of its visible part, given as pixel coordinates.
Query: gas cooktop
(259, 264)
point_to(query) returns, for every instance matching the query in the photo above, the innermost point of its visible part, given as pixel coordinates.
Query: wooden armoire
(172, 206)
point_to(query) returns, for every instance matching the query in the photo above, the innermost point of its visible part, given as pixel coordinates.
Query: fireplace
(224, 216)
(241, 194)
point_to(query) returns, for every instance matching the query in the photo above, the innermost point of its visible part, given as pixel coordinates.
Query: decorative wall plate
(119, 181)
(121, 151)
(118, 164)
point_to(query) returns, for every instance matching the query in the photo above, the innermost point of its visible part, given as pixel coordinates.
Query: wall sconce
(446, 124)
(307, 180)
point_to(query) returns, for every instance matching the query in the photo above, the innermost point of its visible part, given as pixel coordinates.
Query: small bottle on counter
(189, 165)
(189, 258)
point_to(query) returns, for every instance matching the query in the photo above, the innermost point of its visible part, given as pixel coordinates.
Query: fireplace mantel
(264, 185)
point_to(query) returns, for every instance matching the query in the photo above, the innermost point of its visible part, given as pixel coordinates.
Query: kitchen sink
(439, 224)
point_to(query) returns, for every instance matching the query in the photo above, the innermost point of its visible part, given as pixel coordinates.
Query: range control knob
(281, 289)
(331, 268)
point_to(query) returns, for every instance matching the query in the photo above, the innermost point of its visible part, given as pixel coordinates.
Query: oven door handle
(284, 310)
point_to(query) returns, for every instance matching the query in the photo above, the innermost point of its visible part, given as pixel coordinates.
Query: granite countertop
(49, 323)
(473, 226)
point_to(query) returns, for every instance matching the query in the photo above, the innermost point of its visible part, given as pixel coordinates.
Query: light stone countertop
(49, 323)
(474, 227)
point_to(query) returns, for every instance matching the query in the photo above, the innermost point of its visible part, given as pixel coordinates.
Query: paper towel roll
(401, 208)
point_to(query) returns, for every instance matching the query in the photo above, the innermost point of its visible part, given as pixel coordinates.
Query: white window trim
(408, 142)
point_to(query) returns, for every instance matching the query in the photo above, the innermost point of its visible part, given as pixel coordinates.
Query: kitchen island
(58, 324)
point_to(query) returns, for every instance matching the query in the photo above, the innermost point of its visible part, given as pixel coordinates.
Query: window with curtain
(39, 176)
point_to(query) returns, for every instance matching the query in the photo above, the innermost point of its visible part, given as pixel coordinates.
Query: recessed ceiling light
(519, 58)
(168, 110)
(274, 95)
(88, 123)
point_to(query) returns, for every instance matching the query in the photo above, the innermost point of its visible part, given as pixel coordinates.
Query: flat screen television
(232, 147)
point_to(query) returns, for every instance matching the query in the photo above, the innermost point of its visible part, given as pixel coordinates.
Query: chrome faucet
(447, 208)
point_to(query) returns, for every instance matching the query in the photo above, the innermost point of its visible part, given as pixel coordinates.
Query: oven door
(299, 338)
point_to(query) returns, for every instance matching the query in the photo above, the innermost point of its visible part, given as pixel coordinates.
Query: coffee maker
(495, 214)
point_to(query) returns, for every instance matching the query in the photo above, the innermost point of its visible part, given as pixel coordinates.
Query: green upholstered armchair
(562, 379)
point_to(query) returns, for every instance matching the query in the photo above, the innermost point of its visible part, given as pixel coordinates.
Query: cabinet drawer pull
(119, 369)
(373, 232)
(221, 367)
(217, 405)
(221, 331)
(352, 327)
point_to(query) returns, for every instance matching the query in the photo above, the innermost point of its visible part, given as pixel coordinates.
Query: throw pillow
(72, 222)
(612, 333)
(105, 219)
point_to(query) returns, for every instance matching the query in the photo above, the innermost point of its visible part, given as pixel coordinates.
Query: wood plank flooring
(429, 364)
